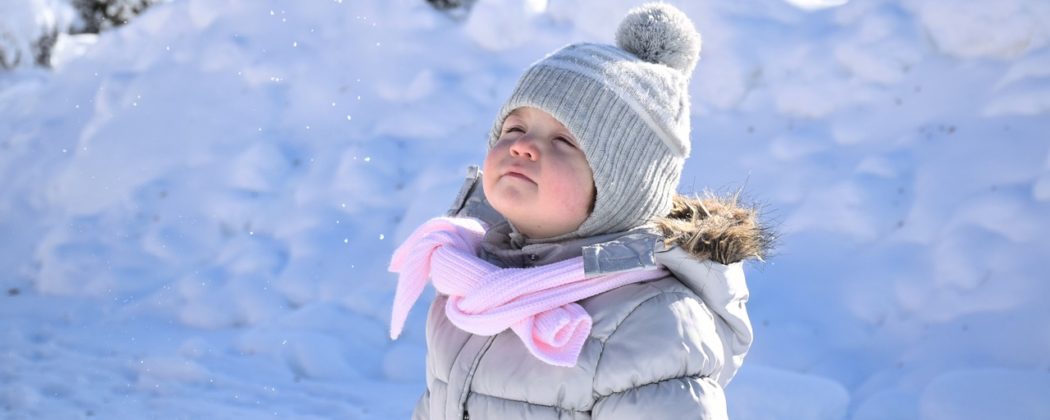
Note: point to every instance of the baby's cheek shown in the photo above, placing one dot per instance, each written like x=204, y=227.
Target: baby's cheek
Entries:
x=573, y=199
x=582, y=191
x=488, y=169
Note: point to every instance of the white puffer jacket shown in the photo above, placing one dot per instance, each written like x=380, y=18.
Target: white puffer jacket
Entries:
x=662, y=349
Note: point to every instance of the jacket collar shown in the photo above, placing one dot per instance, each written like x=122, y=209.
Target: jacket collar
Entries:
x=505, y=247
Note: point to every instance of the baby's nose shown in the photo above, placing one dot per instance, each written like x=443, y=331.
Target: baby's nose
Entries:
x=525, y=147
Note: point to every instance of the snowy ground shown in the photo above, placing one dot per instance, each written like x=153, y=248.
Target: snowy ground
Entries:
x=197, y=208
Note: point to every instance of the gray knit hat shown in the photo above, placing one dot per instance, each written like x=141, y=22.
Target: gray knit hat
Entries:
x=628, y=106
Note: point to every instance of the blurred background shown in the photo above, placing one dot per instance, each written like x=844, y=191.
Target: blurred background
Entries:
x=198, y=198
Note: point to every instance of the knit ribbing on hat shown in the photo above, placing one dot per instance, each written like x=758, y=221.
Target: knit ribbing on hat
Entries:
x=658, y=96
x=631, y=120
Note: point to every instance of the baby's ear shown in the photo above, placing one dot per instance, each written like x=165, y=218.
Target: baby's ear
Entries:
x=471, y=201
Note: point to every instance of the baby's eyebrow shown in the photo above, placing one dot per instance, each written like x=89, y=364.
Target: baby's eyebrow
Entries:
x=515, y=117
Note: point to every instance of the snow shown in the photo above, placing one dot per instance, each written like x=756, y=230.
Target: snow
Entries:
x=798, y=396
x=1005, y=31
x=198, y=207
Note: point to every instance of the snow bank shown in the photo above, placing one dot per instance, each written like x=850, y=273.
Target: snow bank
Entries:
x=198, y=207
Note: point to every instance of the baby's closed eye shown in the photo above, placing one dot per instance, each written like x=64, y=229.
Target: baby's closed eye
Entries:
x=566, y=141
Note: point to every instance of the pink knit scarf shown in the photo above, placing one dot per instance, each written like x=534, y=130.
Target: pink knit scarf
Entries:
x=536, y=303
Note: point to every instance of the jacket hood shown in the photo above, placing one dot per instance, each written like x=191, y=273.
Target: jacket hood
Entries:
x=705, y=243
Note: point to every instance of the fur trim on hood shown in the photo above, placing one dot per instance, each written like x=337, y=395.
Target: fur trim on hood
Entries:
x=716, y=228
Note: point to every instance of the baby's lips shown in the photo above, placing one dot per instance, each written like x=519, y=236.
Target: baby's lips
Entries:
x=516, y=173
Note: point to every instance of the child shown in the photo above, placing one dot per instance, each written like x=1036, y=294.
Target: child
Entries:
x=589, y=289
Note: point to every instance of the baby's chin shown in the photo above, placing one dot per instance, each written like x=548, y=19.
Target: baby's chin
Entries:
x=530, y=215
x=512, y=195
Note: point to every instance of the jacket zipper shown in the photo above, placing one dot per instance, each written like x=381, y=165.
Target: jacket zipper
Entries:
x=470, y=375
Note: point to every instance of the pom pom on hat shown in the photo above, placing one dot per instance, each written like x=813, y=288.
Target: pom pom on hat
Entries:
x=660, y=33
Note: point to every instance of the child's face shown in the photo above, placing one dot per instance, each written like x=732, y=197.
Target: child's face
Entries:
x=537, y=176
